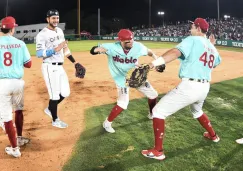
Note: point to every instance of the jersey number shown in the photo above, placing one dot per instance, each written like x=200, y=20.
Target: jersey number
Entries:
x=209, y=63
x=7, y=59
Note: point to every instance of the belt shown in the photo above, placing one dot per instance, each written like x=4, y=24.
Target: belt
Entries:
x=55, y=63
x=197, y=80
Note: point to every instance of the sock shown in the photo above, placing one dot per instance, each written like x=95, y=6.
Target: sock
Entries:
x=53, y=109
x=205, y=122
x=159, y=130
x=19, y=119
x=61, y=99
x=114, y=113
x=151, y=103
x=10, y=130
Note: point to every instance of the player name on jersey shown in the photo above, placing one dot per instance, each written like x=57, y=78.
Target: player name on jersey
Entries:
x=126, y=60
x=12, y=46
x=209, y=49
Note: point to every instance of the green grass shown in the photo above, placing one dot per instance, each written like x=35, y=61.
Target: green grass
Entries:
x=86, y=45
x=185, y=147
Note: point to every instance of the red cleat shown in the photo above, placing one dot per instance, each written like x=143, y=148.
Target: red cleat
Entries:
x=214, y=138
x=152, y=153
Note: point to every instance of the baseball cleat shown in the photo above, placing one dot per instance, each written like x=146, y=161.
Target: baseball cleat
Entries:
x=214, y=138
x=154, y=154
x=150, y=116
x=21, y=141
x=48, y=112
x=107, y=126
x=13, y=151
x=59, y=124
x=239, y=141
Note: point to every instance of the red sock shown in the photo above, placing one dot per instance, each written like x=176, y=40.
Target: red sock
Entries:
x=159, y=130
x=10, y=130
x=19, y=119
x=114, y=113
x=205, y=122
x=151, y=103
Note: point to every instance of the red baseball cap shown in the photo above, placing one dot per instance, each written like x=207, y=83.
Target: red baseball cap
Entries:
x=124, y=34
x=202, y=23
x=8, y=23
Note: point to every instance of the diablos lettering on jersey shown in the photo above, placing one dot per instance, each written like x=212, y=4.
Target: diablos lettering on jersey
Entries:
x=126, y=60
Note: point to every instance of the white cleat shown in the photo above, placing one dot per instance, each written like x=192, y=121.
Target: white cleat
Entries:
x=107, y=126
x=150, y=116
x=48, y=112
x=59, y=124
x=239, y=141
x=21, y=141
x=13, y=151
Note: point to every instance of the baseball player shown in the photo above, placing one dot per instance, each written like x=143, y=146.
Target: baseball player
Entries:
x=14, y=56
x=52, y=47
x=198, y=57
x=122, y=56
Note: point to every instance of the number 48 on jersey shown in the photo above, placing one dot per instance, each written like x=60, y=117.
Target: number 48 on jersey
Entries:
x=204, y=59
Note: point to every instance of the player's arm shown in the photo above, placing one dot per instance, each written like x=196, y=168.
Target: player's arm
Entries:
x=69, y=55
x=151, y=53
x=181, y=50
x=212, y=39
x=167, y=57
x=43, y=52
x=80, y=69
x=97, y=50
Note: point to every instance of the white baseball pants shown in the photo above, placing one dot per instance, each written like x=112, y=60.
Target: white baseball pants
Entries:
x=56, y=81
x=11, y=97
x=186, y=93
x=123, y=94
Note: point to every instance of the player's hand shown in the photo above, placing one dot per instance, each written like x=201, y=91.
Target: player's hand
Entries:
x=212, y=39
x=100, y=50
x=61, y=46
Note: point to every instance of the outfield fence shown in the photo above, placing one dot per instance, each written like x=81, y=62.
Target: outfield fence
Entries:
x=229, y=43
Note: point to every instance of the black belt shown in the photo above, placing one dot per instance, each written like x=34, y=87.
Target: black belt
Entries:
x=199, y=80
x=55, y=63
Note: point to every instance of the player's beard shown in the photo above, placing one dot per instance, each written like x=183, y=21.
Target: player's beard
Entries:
x=52, y=25
x=127, y=47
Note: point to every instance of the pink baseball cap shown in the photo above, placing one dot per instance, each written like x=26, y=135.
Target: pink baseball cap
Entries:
x=202, y=23
x=8, y=23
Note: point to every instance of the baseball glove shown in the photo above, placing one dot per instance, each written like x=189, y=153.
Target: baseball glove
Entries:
x=136, y=77
x=80, y=70
x=160, y=68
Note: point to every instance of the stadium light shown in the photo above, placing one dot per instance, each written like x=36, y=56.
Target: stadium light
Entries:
x=162, y=13
x=226, y=17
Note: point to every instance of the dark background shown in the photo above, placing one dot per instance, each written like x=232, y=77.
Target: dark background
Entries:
x=117, y=14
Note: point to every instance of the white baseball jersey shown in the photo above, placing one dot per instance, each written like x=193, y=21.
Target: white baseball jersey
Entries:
x=54, y=74
x=48, y=39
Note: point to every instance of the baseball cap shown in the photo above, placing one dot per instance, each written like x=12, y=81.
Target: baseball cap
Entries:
x=124, y=34
x=8, y=23
x=202, y=23
x=52, y=12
